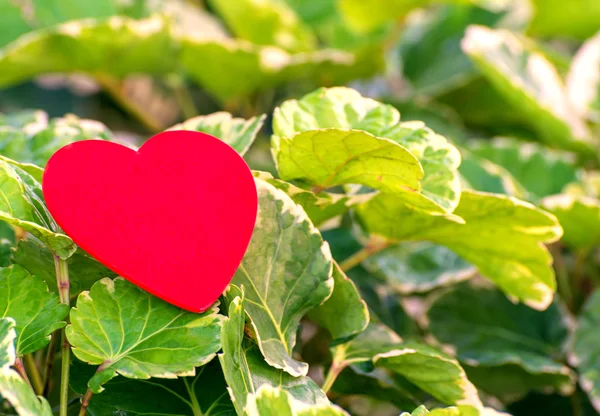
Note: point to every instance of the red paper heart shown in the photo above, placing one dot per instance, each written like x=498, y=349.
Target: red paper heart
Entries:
x=174, y=218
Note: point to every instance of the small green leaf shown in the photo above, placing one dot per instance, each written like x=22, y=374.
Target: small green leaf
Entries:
x=580, y=218
x=488, y=331
x=12, y=387
x=583, y=80
x=344, y=314
x=203, y=394
x=36, y=141
x=530, y=83
x=365, y=16
x=418, y=267
x=286, y=272
x=236, y=132
x=36, y=311
x=319, y=207
x=127, y=331
x=38, y=260
x=270, y=22
x=521, y=269
x=245, y=369
x=271, y=401
x=586, y=347
x=525, y=161
x=335, y=137
x=22, y=205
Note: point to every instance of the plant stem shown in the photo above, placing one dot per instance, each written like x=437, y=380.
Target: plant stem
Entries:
x=21, y=370
x=336, y=368
x=361, y=255
x=50, y=357
x=36, y=379
x=562, y=276
x=85, y=402
x=62, y=281
x=183, y=97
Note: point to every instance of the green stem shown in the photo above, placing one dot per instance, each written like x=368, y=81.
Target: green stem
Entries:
x=62, y=281
x=336, y=368
x=361, y=255
x=195, y=405
x=36, y=379
x=184, y=98
x=50, y=357
x=562, y=276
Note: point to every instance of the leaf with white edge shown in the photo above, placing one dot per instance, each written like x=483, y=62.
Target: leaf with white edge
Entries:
x=22, y=205
x=583, y=80
x=486, y=330
x=270, y=401
x=270, y=22
x=117, y=46
x=286, y=271
x=203, y=394
x=319, y=207
x=12, y=386
x=432, y=371
x=579, y=217
x=425, y=367
x=530, y=83
x=521, y=269
x=418, y=267
x=525, y=161
x=344, y=314
x=129, y=332
x=245, y=369
x=480, y=174
x=455, y=411
x=236, y=132
x=35, y=142
x=36, y=311
x=38, y=260
x=586, y=347
x=335, y=136
x=21, y=118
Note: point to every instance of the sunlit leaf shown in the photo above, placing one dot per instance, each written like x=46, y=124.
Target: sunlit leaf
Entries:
x=579, y=217
x=475, y=232
x=583, y=80
x=129, y=332
x=286, y=272
x=270, y=401
x=574, y=18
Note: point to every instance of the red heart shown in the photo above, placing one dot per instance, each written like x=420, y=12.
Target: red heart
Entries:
x=174, y=218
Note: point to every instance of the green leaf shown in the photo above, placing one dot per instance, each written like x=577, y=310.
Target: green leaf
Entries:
x=583, y=80
x=36, y=311
x=270, y=401
x=286, y=272
x=119, y=46
x=270, y=22
x=455, y=411
x=525, y=161
x=425, y=367
x=521, y=269
x=574, y=18
x=486, y=176
x=580, y=218
x=130, y=332
x=52, y=12
x=344, y=314
x=489, y=332
x=21, y=118
x=35, y=142
x=246, y=370
x=319, y=207
x=236, y=132
x=84, y=271
x=203, y=394
x=336, y=137
x=530, y=83
x=13, y=20
x=22, y=205
x=586, y=347
x=12, y=387
x=418, y=267
x=365, y=16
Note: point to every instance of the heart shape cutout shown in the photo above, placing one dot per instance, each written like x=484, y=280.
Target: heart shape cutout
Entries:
x=174, y=218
